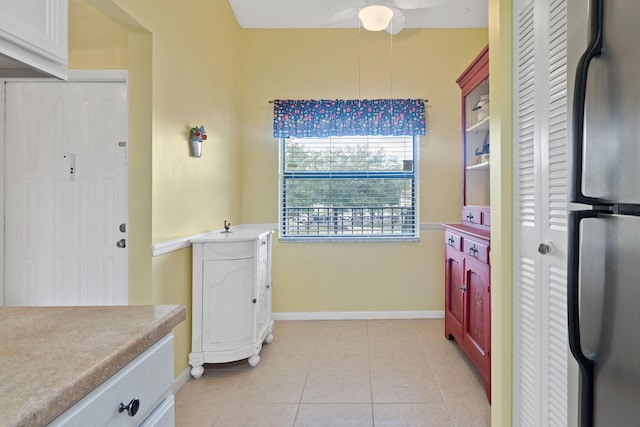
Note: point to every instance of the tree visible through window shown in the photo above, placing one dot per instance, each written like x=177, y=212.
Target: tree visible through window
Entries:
x=348, y=187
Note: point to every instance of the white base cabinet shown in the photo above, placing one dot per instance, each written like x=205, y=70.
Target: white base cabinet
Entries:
x=147, y=379
x=231, y=297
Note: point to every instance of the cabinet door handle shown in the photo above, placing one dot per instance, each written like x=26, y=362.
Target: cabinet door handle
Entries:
x=254, y=300
x=452, y=241
x=131, y=408
x=463, y=288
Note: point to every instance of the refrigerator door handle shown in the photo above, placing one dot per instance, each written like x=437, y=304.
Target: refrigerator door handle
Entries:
x=594, y=49
x=573, y=309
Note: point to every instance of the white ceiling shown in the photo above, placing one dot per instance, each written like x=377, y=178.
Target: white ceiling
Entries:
x=315, y=13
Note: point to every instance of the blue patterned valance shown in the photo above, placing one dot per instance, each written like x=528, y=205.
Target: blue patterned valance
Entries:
x=327, y=117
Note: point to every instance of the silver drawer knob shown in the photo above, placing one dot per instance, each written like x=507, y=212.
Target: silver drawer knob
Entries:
x=545, y=248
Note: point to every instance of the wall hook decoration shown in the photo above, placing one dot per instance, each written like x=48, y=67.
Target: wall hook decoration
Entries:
x=197, y=134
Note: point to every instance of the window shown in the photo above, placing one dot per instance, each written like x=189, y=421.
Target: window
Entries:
x=348, y=168
x=348, y=187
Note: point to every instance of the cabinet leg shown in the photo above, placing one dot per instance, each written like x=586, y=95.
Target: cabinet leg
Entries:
x=197, y=371
x=268, y=339
x=196, y=360
x=254, y=360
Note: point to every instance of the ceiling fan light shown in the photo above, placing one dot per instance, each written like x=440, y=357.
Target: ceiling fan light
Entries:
x=375, y=18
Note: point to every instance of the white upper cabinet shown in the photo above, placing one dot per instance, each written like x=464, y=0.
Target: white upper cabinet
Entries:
x=34, y=33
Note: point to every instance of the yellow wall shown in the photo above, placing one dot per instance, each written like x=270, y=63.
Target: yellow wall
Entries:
x=352, y=64
x=184, y=70
x=95, y=41
x=500, y=77
x=189, y=63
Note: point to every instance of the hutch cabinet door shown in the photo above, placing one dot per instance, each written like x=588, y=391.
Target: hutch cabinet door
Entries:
x=474, y=85
x=477, y=307
x=454, y=294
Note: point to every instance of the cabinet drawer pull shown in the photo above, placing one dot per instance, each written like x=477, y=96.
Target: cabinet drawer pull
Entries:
x=254, y=300
x=131, y=408
x=452, y=241
x=463, y=288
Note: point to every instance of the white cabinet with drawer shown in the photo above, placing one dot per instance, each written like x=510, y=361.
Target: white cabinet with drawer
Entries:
x=139, y=394
x=35, y=33
x=231, y=289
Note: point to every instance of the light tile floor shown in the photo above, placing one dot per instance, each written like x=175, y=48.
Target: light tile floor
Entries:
x=342, y=373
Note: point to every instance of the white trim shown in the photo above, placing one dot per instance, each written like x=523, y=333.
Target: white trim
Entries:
x=358, y=315
x=431, y=226
x=181, y=380
x=76, y=76
x=166, y=246
x=97, y=75
x=171, y=245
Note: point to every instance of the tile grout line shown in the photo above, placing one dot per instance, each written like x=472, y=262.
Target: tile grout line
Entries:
x=304, y=386
x=373, y=418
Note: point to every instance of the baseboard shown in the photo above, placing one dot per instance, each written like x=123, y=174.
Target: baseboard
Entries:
x=358, y=315
x=181, y=379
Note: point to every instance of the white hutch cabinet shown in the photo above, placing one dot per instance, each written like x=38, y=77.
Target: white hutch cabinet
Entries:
x=231, y=296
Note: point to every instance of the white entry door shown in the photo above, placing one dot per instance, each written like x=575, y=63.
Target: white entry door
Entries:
x=66, y=193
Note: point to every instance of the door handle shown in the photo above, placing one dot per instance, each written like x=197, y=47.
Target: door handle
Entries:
x=573, y=311
x=545, y=248
x=122, y=243
x=580, y=88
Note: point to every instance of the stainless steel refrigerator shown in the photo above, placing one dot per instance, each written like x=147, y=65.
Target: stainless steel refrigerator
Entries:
x=604, y=234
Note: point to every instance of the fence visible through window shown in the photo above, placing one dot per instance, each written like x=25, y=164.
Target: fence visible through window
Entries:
x=349, y=221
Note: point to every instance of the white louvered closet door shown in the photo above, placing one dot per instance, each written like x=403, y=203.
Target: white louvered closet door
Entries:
x=540, y=345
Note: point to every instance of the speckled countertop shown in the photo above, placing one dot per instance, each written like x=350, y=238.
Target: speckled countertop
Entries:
x=51, y=357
